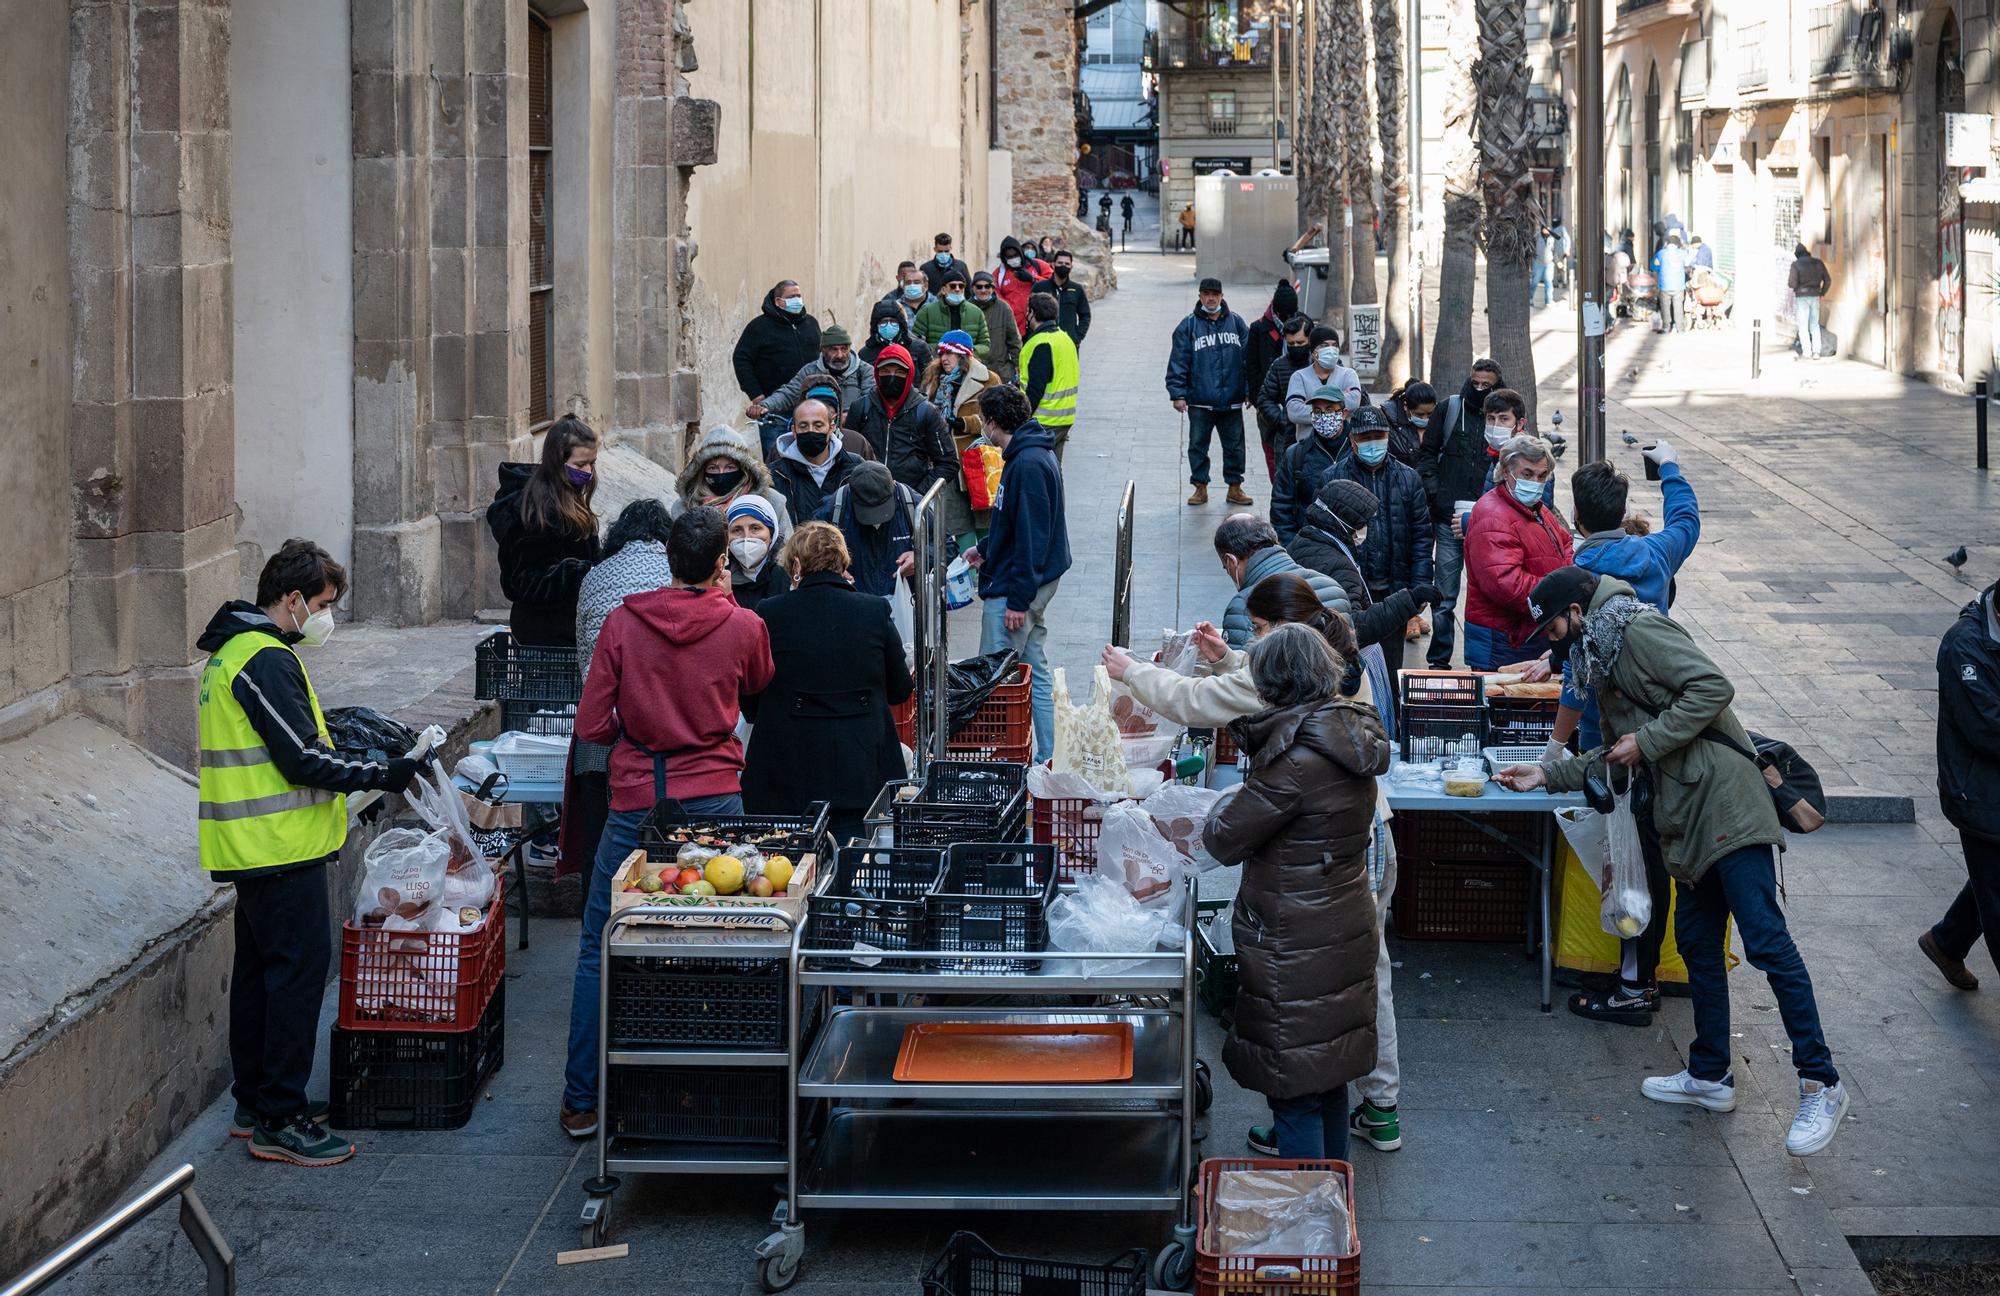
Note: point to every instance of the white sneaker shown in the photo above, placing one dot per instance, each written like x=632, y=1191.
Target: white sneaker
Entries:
x=1715, y=1095
x=1820, y=1108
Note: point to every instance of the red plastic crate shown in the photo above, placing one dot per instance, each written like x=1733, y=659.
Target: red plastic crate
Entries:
x=422, y=981
x=1226, y=751
x=1003, y=729
x=1271, y=1275
x=1070, y=824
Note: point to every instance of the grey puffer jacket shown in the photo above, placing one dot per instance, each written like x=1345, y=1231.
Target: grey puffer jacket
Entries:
x=1305, y=925
x=1236, y=627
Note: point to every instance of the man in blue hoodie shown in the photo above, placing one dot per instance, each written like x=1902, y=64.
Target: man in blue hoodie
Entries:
x=1208, y=380
x=1026, y=549
x=1647, y=562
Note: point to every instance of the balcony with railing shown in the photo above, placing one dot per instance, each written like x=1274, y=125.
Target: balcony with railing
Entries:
x=1218, y=34
x=1848, y=45
x=1752, y=71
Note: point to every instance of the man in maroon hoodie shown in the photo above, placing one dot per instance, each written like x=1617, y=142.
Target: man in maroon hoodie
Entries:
x=664, y=691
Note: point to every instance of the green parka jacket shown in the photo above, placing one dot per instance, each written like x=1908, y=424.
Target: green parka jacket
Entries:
x=1708, y=799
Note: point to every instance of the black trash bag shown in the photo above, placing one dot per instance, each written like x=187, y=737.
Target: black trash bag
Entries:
x=969, y=683
x=364, y=729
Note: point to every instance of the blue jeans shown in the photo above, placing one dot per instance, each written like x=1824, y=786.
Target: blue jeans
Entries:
x=1805, y=314
x=1447, y=571
x=1029, y=642
x=1538, y=278
x=621, y=838
x=1744, y=885
x=1312, y=1127
x=1488, y=649
x=1228, y=423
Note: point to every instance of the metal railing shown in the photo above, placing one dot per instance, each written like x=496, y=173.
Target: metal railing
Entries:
x=201, y=1232
x=932, y=636
x=1121, y=572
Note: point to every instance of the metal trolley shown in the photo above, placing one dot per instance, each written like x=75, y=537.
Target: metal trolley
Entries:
x=870, y=1142
x=723, y=1144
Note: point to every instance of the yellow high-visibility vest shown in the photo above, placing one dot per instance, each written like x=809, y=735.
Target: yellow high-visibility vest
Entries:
x=252, y=816
x=1058, y=408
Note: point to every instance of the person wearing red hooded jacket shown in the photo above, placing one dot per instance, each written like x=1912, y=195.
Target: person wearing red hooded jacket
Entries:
x=1515, y=538
x=908, y=432
x=666, y=679
x=1014, y=277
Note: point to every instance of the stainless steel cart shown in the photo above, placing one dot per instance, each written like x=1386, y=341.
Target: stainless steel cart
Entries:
x=870, y=1142
x=697, y=932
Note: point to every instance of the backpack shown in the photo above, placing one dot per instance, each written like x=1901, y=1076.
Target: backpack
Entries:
x=1795, y=787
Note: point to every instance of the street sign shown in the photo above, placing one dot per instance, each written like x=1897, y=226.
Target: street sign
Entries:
x=1364, y=339
x=1968, y=139
x=1210, y=165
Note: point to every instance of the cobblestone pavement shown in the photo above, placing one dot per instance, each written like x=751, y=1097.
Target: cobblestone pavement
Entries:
x=1531, y=1163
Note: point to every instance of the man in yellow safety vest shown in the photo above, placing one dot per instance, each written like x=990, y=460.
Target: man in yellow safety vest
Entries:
x=1049, y=370
x=273, y=813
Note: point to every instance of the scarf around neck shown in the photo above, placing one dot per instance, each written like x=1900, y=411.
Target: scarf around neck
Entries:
x=1603, y=639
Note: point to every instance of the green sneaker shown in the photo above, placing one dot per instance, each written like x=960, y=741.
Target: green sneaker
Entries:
x=1263, y=1140
x=244, y=1122
x=301, y=1142
x=1379, y=1128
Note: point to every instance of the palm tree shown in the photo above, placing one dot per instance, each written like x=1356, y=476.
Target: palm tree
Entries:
x=1388, y=36
x=1325, y=147
x=1513, y=218
x=1451, y=349
x=1358, y=166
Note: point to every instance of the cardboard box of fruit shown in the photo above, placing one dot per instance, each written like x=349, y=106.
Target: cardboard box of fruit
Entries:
x=723, y=880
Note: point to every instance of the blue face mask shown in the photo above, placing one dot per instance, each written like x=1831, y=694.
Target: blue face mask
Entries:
x=1372, y=452
x=954, y=299
x=793, y=305
x=1423, y=422
x=1327, y=357
x=1529, y=493
x=944, y=258
x=887, y=330
x=913, y=290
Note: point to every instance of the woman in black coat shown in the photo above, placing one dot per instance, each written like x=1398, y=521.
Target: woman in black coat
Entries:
x=823, y=729
x=547, y=534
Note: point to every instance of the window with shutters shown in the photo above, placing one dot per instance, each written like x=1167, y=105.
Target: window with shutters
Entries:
x=541, y=244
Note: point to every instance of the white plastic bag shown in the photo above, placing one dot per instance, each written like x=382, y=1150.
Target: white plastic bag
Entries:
x=1101, y=916
x=1628, y=902
x=1282, y=1212
x=1132, y=853
x=1087, y=740
x=1180, y=813
x=438, y=805
x=402, y=874
x=904, y=615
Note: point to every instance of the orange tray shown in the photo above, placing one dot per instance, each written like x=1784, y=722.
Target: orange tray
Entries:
x=1014, y=1053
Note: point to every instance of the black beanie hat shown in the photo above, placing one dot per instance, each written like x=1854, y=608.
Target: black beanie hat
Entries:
x=1285, y=301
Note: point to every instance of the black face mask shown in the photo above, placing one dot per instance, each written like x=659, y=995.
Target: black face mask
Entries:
x=892, y=385
x=1062, y=272
x=812, y=444
x=1298, y=355
x=721, y=483
x=1561, y=648
x=1474, y=397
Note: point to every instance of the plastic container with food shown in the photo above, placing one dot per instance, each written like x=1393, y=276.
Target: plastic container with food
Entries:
x=1464, y=783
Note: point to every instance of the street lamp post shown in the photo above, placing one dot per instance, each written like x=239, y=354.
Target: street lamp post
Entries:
x=1591, y=315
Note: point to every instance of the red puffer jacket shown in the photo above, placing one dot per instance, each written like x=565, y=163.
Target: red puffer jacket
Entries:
x=1508, y=548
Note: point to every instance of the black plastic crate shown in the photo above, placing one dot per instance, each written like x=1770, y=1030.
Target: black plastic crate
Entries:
x=1441, y=704
x=994, y=899
x=964, y=801
x=696, y=1104
x=969, y=1267
x=876, y=896
x=1445, y=834
x=417, y=1080
x=509, y=672
x=668, y=1001
x=1520, y=722
x=555, y=719
x=790, y=835
x=1215, y=968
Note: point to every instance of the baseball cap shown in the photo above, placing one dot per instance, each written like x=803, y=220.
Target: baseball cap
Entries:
x=874, y=493
x=1211, y=284
x=1329, y=392
x=1554, y=593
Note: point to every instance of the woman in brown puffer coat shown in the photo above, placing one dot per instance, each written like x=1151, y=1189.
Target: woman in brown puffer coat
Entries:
x=1305, y=919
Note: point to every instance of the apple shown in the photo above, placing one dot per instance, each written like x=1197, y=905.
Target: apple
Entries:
x=760, y=887
x=688, y=877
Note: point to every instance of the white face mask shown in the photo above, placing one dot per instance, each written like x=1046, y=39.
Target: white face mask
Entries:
x=316, y=629
x=1496, y=436
x=749, y=551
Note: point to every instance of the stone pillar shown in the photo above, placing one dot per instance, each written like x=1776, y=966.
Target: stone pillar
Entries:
x=660, y=133
x=151, y=417
x=1036, y=71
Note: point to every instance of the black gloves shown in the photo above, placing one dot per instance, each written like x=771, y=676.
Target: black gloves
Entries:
x=402, y=770
x=1427, y=595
